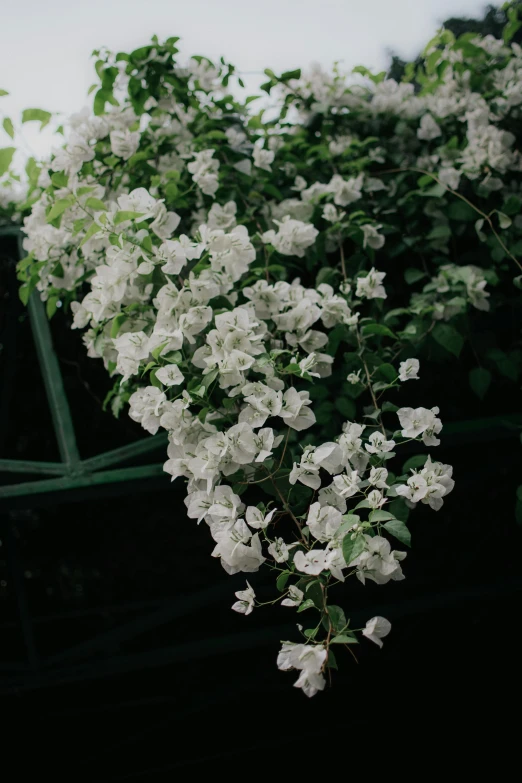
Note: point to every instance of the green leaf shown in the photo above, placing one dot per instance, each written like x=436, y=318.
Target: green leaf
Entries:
x=352, y=548
x=38, y=115
x=512, y=205
x=171, y=191
x=413, y=275
x=418, y=461
x=287, y=75
x=59, y=208
x=51, y=305
x=8, y=127
x=439, y=232
x=346, y=407
x=60, y=179
x=94, y=229
x=462, y=212
x=6, y=157
x=282, y=579
x=480, y=380
x=158, y=349
x=154, y=381
x=3, y=92
x=344, y=639
x=449, y=338
x=388, y=372
x=121, y=217
x=96, y=204
x=504, y=220
x=399, y=509
x=378, y=329
x=380, y=516
x=116, y=324
x=306, y=605
x=331, y=660
x=399, y=530
x=337, y=617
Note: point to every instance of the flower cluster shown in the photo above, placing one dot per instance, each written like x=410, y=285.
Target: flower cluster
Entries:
x=233, y=276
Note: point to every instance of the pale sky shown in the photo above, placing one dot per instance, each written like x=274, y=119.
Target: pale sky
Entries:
x=45, y=45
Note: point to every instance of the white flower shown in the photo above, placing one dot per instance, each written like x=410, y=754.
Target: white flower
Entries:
x=323, y=521
x=415, y=488
x=428, y=128
x=346, y=191
x=378, y=562
x=377, y=478
x=376, y=629
x=294, y=597
x=346, y=484
x=146, y=407
x=246, y=601
x=450, y=177
x=263, y=158
x=375, y=499
x=292, y=237
x=371, y=235
x=409, y=370
x=72, y=157
x=354, y=378
x=256, y=519
x=330, y=213
x=124, y=143
x=420, y=421
x=370, y=287
x=307, y=658
x=279, y=550
x=378, y=444
x=170, y=375
x=312, y=562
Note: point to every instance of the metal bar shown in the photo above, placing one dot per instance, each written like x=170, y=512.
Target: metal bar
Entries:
x=62, y=420
x=10, y=231
x=21, y=599
x=116, y=456
x=85, y=480
x=27, y=466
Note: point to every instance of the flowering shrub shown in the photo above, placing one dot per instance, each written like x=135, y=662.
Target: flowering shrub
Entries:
x=262, y=285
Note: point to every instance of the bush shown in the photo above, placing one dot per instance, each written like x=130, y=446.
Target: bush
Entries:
x=262, y=285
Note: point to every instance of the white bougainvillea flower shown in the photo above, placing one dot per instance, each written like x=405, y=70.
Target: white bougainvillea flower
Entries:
x=420, y=421
x=246, y=601
x=124, y=143
x=370, y=286
x=263, y=158
x=279, y=550
x=428, y=129
x=409, y=370
x=378, y=444
x=256, y=519
x=376, y=629
x=313, y=562
x=371, y=236
x=294, y=597
x=170, y=375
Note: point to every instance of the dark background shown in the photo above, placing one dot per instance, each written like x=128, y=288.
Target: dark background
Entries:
x=120, y=658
